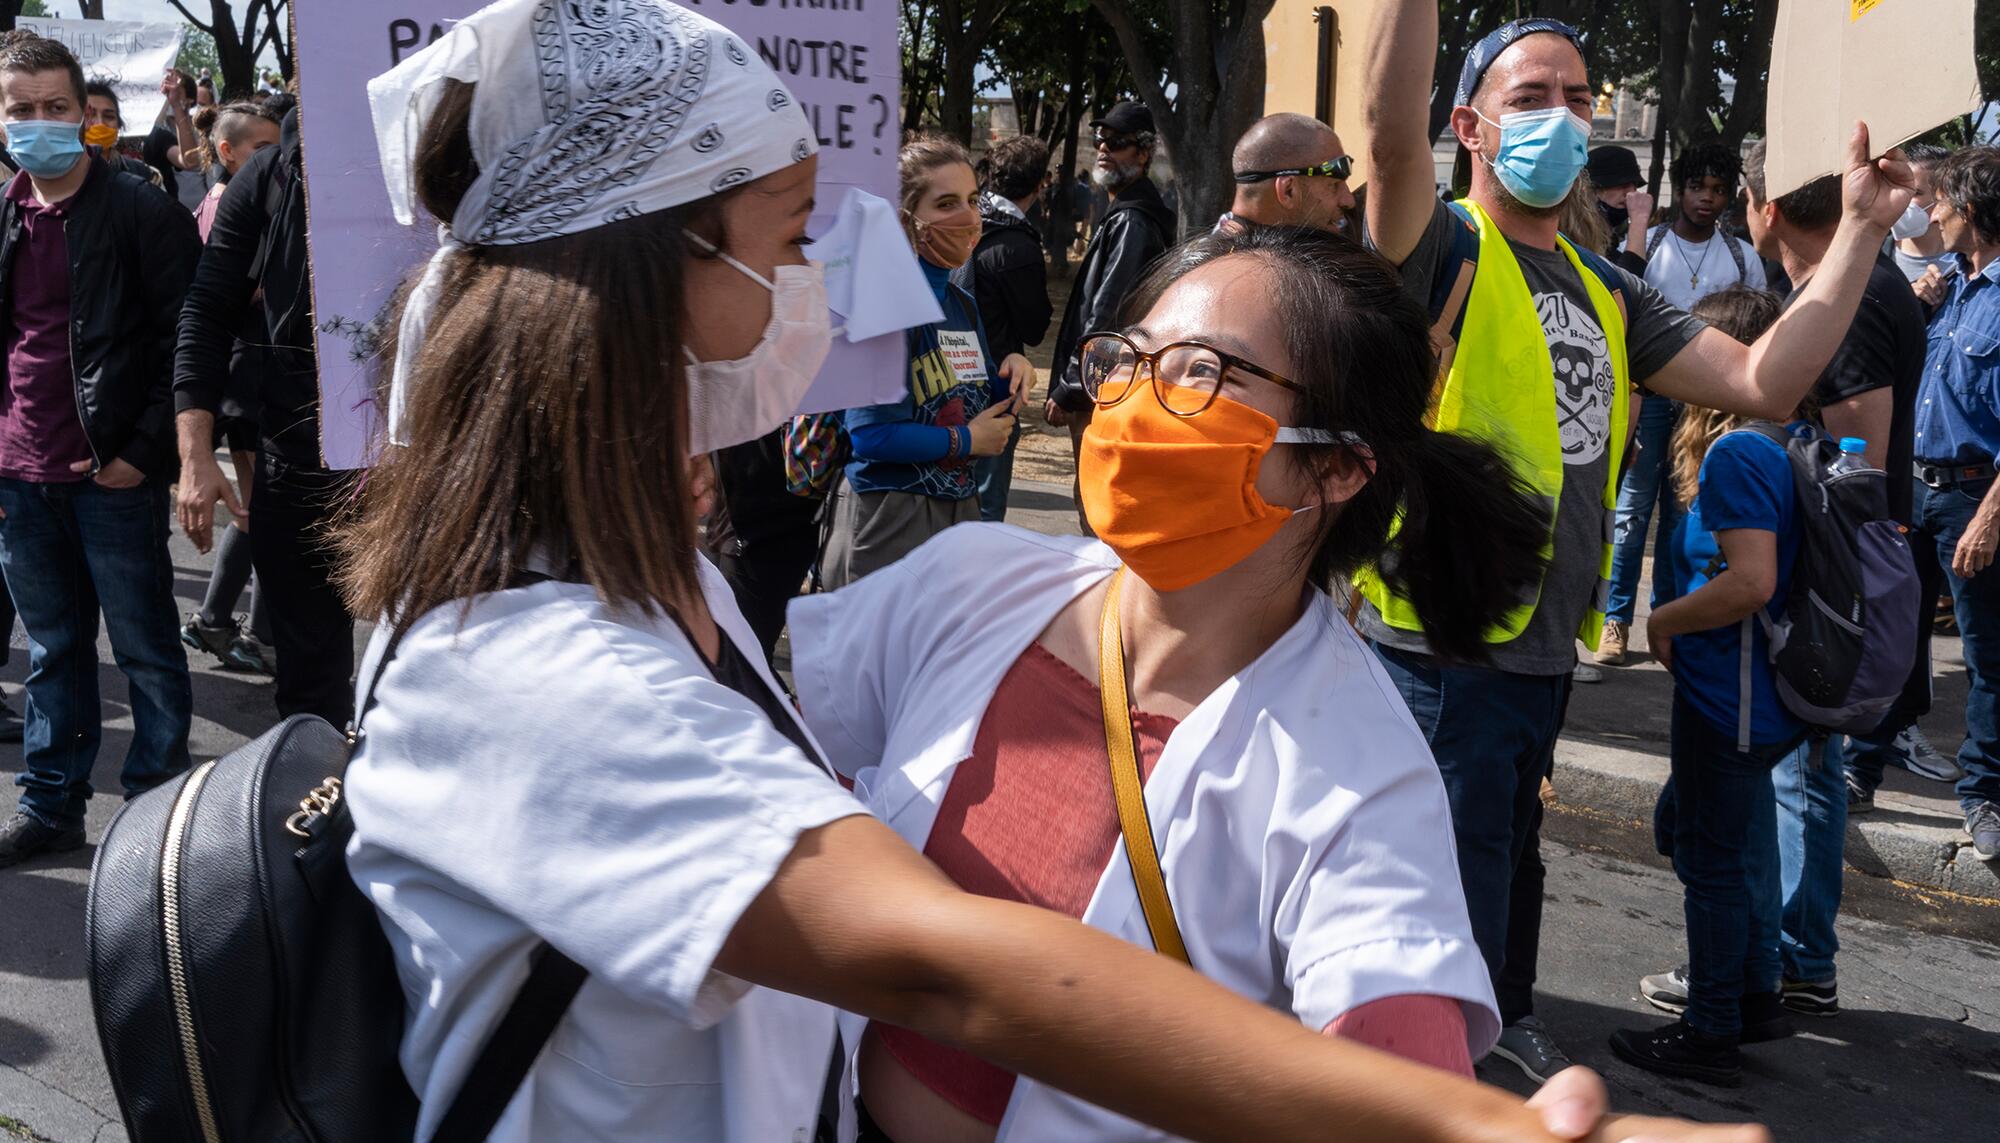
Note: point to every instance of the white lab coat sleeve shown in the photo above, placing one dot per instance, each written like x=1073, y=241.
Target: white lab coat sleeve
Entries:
x=1375, y=909
x=590, y=779
x=853, y=655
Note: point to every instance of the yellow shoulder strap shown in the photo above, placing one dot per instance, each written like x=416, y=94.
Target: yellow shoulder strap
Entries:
x=1125, y=782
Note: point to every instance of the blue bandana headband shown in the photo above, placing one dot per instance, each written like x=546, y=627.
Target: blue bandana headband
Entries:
x=1487, y=50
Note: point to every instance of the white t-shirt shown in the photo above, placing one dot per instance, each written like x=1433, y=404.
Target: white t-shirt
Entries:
x=550, y=769
x=1686, y=272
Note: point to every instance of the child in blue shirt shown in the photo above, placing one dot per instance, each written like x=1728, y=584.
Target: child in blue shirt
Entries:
x=1731, y=557
x=911, y=474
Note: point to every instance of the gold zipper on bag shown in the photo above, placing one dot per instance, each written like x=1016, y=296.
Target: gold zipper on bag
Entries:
x=177, y=982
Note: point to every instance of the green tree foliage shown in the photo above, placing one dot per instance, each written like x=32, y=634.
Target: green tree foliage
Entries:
x=1204, y=89
x=198, y=52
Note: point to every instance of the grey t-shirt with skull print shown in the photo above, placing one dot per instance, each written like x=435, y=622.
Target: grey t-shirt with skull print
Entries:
x=1655, y=332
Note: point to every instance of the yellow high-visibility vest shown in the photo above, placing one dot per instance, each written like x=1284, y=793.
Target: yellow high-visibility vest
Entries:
x=1500, y=387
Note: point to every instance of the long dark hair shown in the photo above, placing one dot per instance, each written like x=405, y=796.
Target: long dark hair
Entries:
x=1469, y=547
x=547, y=414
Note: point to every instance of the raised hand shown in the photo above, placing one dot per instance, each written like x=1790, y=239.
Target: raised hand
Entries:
x=1875, y=191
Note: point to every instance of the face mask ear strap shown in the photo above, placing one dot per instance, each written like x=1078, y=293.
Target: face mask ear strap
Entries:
x=711, y=248
x=1328, y=437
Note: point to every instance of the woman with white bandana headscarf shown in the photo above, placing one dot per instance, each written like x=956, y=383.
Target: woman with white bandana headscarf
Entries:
x=569, y=758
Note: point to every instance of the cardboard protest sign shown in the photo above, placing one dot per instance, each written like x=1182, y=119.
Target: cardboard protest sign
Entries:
x=1900, y=66
x=129, y=55
x=839, y=58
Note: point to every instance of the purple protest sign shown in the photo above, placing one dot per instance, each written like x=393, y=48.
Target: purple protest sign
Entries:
x=839, y=57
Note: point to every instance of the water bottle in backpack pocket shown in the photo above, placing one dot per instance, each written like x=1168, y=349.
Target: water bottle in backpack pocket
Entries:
x=1842, y=647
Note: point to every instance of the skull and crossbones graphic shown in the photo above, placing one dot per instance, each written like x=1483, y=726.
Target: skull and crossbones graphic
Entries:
x=1581, y=357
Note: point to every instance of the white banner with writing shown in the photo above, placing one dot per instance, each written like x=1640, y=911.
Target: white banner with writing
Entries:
x=130, y=55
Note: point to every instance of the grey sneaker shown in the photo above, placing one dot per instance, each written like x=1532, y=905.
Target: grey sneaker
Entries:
x=1982, y=825
x=1667, y=991
x=1859, y=801
x=1919, y=757
x=1585, y=673
x=1527, y=1045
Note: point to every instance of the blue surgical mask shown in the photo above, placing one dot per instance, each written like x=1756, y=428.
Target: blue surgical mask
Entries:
x=44, y=148
x=1541, y=154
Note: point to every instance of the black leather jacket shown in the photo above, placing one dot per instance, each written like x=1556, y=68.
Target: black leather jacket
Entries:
x=258, y=242
x=132, y=252
x=1136, y=230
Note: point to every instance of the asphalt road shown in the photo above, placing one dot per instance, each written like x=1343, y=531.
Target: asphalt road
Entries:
x=1914, y=1055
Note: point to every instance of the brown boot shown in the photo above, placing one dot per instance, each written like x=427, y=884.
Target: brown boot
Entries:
x=1611, y=643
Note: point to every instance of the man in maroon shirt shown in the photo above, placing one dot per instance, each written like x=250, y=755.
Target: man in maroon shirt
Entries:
x=93, y=266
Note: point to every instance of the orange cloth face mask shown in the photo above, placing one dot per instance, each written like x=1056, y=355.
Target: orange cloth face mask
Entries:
x=101, y=135
x=1176, y=497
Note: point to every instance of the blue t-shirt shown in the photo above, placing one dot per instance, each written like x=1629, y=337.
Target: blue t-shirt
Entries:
x=1746, y=482
x=904, y=446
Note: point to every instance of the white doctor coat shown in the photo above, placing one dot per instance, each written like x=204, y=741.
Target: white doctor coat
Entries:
x=550, y=769
x=1300, y=819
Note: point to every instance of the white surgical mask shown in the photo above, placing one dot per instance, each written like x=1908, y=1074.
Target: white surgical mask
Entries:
x=730, y=402
x=1915, y=221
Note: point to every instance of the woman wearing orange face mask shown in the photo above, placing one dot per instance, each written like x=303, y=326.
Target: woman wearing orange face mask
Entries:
x=911, y=475
x=1257, y=432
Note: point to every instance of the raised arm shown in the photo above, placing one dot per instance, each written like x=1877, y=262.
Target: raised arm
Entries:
x=858, y=919
x=1767, y=379
x=1397, y=76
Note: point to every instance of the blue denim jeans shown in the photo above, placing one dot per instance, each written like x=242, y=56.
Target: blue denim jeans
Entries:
x=69, y=551
x=1811, y=785
x=1493, y=734
x=995, y=477
x=1725, y=840
x=1942, y=517
x=1647, y=481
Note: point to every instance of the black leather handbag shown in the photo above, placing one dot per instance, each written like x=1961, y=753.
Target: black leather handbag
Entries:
x=243, y=987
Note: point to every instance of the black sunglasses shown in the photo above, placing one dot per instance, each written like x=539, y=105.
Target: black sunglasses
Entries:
x=1116, y=142
x=1338, y=167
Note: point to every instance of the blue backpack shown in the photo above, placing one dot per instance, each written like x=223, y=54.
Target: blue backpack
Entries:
x=1843, y=643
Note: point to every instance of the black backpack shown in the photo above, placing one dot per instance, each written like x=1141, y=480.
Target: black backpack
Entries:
x=1843, y=646
x=243, y=987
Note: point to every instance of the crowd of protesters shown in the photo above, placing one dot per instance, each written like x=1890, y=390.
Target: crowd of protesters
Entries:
x=1323, y=622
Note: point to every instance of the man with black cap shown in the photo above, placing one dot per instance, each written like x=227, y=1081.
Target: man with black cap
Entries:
x=1543, y=346
x=1627, y=210
x=1136, y=229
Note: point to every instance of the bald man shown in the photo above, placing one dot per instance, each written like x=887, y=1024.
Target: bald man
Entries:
x=1290, y=171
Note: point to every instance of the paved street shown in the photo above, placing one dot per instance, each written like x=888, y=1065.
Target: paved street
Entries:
x=1915, y=1054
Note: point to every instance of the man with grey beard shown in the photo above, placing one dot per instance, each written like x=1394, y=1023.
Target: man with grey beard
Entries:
x=1137, y=228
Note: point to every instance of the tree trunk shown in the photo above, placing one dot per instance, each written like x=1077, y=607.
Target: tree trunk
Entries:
x=955, y=109
x=1753, y=77
x=10, y=10
x=1062, y=214
x=92, y=9
x=915, y=75
x=1674, y=19
x=1700, y=88
x=1453, y=42
x=1218, y=73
